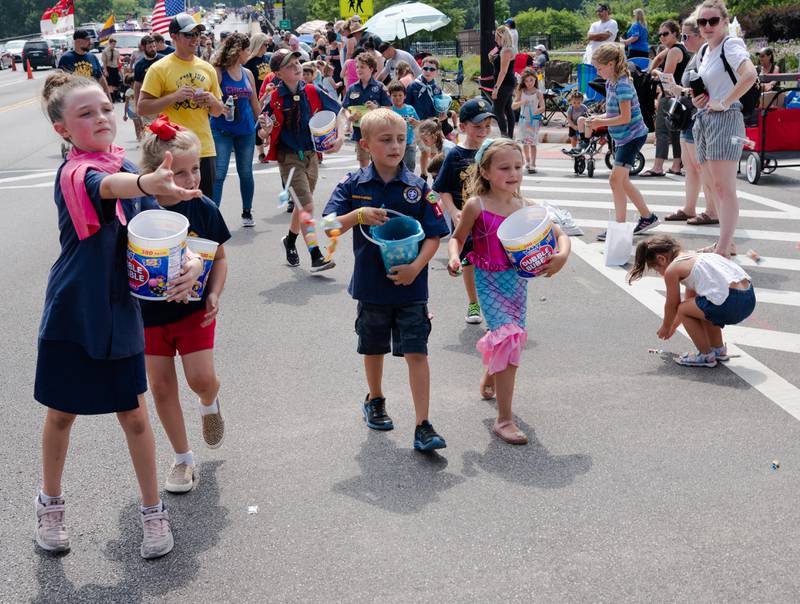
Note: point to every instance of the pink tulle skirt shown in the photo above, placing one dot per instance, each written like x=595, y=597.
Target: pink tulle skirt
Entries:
x=502, y=347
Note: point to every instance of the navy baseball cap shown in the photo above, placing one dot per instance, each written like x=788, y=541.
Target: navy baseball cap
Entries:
x=476, y=110
x=281, y=57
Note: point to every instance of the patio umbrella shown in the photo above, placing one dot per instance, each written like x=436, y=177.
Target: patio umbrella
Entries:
x=309, y=27
x=401, y=20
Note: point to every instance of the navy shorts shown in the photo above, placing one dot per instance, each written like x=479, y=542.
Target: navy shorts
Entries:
x=405, y=326
x=737, y=307
x=572, y=132
x=625, y=155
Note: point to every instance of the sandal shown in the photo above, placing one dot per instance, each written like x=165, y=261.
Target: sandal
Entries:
x=702, y=219
x=508, y=432
x=674, y=173
x=651, y=174
x=680, y=215
x=712, y=249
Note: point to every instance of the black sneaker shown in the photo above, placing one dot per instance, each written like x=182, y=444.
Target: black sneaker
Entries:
x=292, y=259
x=375, y=414
x=426, y=438
x=247, y=219
x=645, y=224
x=319, y=264
x=290, y=207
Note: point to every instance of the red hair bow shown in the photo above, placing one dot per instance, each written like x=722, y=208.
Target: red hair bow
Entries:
x=163, y=128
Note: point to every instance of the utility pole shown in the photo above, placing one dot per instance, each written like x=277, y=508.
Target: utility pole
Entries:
x=487, y=41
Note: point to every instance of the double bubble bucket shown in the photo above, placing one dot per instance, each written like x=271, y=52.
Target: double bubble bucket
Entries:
x=323, y=130
x=398, y=239
x=156, y=245
x=206, y=249
x=529, y=239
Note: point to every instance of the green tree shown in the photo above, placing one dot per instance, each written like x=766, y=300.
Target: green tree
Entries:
x=23, y=19
x=323, y=9
x=92, y=11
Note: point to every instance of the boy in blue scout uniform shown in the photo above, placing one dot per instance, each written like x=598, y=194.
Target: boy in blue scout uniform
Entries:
x=367, y=91
x=293, y=146
x=419, y=95
x=392, y=308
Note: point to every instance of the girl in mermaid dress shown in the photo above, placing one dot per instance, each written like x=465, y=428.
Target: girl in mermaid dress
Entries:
x=494, y=183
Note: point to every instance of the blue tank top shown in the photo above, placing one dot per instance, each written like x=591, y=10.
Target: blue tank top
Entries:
x=244, y=121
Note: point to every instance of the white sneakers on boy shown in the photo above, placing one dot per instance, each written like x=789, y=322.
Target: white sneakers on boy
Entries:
x=51, y=531
x=157, y=539
x=181, y=478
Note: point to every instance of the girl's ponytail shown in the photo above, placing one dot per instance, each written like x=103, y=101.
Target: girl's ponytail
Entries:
x=647, y=251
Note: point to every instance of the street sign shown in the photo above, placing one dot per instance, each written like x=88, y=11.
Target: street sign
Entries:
x=363, y=8
x=285, y=24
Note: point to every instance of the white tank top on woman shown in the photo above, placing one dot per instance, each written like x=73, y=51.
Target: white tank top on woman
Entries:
x=712, y=275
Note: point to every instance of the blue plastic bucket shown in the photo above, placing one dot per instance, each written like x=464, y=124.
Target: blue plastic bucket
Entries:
x=442, y=103
x=398, y=239
x=529, y=239
x=156, y=245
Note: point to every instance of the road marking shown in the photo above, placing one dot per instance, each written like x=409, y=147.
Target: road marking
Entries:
x=763, y=295
x=37, y=186
x=28, y=176
x=18, y=105
x=609, y=205
x=702, y=231
x=760, y=377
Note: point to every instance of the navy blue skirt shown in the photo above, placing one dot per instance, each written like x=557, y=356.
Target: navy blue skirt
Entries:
x=69, y=380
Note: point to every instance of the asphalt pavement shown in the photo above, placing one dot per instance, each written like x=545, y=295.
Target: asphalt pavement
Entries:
x=643, y=480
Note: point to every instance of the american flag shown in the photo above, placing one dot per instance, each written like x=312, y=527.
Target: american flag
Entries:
x=163, y=13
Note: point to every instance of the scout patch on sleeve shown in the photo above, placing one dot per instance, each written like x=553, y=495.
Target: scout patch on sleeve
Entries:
x=433, y=199
x=412, y=194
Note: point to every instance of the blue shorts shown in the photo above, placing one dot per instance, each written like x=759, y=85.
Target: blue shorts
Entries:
x=687, y=135
x=405, y=326
x=737, y=307
x=625, y=155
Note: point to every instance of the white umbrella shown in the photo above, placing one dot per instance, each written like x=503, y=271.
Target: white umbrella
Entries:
x=309, y=27
x=401, y=20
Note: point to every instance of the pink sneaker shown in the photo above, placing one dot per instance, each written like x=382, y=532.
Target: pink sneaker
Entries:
x=51, y=531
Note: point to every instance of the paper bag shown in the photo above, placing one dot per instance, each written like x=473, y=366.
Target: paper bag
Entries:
x=619, y=241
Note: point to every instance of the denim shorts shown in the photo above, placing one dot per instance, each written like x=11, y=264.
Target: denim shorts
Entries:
x=625, y=155
x=737, y=307
x=687, y=135
x=405, y=326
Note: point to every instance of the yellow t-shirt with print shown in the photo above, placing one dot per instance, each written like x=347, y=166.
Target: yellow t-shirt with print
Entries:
x=167, y=75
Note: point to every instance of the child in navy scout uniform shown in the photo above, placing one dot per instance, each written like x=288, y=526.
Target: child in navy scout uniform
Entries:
x=392, y=308
x=367, y=92
x=475, y=120
x=285, y=124
x=91, y=341
x=187, y=329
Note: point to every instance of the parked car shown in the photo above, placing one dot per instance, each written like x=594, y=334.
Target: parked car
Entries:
x=40, y=53
x=127, y=44
x=15, y=48
x=6, y=59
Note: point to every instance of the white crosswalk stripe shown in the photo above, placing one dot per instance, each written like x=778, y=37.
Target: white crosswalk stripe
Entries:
x=763, y=222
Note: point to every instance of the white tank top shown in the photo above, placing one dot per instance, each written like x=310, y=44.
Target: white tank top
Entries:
x=712, y=275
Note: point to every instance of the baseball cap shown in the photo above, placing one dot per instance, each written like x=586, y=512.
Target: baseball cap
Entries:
x=475, y=111
x=281, y=57
x=81, y=34
x=540, y=47
x=509, y=22
x=183, y=23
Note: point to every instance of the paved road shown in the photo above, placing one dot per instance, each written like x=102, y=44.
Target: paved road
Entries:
x=643, y=481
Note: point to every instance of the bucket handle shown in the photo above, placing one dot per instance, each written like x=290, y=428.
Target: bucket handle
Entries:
x=368, y=238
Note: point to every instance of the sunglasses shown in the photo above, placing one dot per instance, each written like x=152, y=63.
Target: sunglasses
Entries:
x=429, y=69
x=663, y=34
x=713, y=21
x=191, y=35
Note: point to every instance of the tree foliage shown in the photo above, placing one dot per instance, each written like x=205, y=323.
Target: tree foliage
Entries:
x=561, y=24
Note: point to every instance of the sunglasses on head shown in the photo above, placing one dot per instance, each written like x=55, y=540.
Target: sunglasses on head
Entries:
x=713, y=21
x=429, y=69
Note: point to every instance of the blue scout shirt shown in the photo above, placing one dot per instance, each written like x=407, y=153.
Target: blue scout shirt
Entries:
x=358, y=94
x=88, y=301
x=405, y=193
x=86, y=65
x=295, y=135
x=420, y=96
x=205, y=220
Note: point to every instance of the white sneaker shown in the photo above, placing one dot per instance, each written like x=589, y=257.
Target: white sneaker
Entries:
x=182, y=478
x=51, y=531
x=157, y=539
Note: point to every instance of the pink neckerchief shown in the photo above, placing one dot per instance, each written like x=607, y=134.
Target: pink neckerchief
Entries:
x=73, y=187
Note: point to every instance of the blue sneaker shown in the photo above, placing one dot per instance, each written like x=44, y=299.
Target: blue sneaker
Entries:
x=374, y=412
x=426, y=438
x=697, y=359
x=645, y=224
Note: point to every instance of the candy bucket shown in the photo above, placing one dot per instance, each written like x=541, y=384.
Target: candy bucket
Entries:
x=398, y=239
x=156, y=244
x=529, y=240
x=323, y=130
x=206, y=249
x=442, y=103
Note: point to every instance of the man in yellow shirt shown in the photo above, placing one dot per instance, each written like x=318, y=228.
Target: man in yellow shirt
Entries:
x=186, y=89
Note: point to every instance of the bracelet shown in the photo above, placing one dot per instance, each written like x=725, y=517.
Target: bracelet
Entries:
x=360, y=216
x=139, y=185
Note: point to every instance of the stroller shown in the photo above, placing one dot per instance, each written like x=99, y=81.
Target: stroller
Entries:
x=646, y=91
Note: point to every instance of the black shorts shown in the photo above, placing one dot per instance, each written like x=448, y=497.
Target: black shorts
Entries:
x=573, y=132
x=405, y=326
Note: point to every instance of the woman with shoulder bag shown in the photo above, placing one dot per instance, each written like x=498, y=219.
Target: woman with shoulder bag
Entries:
x=692, y=40
x=675, y=62
x=719, y=117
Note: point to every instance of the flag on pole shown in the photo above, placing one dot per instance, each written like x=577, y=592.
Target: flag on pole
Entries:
x=108, y=29
x=60, y=19
x=163, y=13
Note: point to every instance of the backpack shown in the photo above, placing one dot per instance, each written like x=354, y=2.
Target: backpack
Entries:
x=749, y=99
x=277, y=114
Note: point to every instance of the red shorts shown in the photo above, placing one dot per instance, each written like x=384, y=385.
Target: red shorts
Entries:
x=184, y=336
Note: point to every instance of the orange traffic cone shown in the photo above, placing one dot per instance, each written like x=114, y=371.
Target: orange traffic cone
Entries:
x=30, y=73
